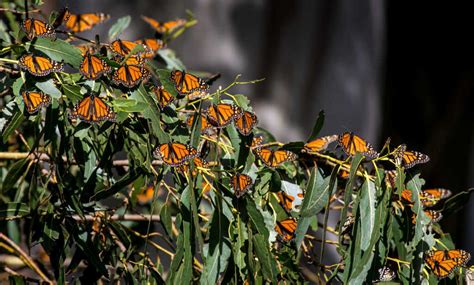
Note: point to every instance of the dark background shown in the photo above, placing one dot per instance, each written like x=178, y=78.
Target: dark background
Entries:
x=382, y=69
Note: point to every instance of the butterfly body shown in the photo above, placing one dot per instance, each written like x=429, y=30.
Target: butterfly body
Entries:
x=163, y=96
x=241, y=183
x=82, y=22
x=164, y=27
x=352, y=144
x=130, y=75
x=409, y=158
x=188, y=84
x=93, y=67
x=444, y=262
x=286, y=229
x=246, y=122
x=37, y=28
x=319, y=144
x=274, y=158
x=221, y=115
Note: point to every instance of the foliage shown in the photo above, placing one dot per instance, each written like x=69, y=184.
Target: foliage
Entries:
x=92, y=201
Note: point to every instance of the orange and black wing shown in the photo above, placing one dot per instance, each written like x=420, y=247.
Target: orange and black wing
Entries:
x=130, y=75
x=286, y=201
x=146, y=196
x=152, y=46
x=38, y=65
x=188, y=84
x=241, y=183
x=36, y=28
x=246, y=123
x=274, y=158
x=163, y=96
x=257, y=141
x=82, y=22
x=93, y=67
x=409, y=158
x=352, y=144
x=35, y=100
x=121, y=47
x=205, y=125
x=443, y=262
x=220, y=115
x=286, y=229
x=175, y=154
x=198, y=162
x=92, y=109
x=319, y=144
x=165, y=27
x=431, y=197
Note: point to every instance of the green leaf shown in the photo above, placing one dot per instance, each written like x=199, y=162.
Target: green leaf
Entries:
x=10, y=211
x=48, y=87
x=16, y=87
x=16, y=171
x=165, y=219
x=72, y=92
x=172, y=62
x=119, y=27
x=367, y=212
x=317, y=126
x=13, y=117
x=128, y=105
x=316, y=195
x=59, y=50
x=265, y=258
x=256, y=217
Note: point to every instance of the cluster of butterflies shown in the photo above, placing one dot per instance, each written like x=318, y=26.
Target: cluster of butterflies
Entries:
x=127, y=54
x=428, y=199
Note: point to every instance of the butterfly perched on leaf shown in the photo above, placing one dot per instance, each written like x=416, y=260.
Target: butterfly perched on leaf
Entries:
x=188, y=84
x=164, y=27
x=428, y=197
x=198, y=162
x=409, y=158
x=222, y=114
x=443, y=262
x=319, y=144
x=163, y=96
x=274, y=158
x=82, y=22
x=123, y=48
x=206, y=127
x=175, y=154
x=92, y=66
x=38, y=65
x=92, y=109
x=130, y=75
x=37, y=28
x=290, y=201
x=286, y=229
x=34, y=100
x=352, y=144
x=246, y=122
x=241, y=183
x=152, y=46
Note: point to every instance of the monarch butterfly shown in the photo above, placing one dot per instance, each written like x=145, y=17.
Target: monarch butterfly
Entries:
x=123, y=48
x=385, y=274
x=153, y=45
x=38, y=65
x=273, y=158
x=146, y=195
x=188, y=84
x=206, y=127
x=164, y=97
x=93, y=67
x=352, y=144
x=257, y=141
x=92, y=109
x=222, y=114
x=290, y=202
x=35, y=100
x=82, y=22
x=443, y=262
x=175, y=154
x=435, y=216
x=246, y=122
x=286, y=229
x=319, y=144
x=198, y=162
x=428, y=197
x=241, y=183
x=130, y=75
x=409, y=159
x=166, y=27
x=37, y=28
x=390, y=177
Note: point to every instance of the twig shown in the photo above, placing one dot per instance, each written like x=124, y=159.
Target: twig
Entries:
x=13, y=247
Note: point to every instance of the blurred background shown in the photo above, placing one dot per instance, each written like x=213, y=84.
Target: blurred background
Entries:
x=378, y=68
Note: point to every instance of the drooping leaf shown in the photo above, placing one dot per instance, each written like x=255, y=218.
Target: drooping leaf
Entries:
x=119, y=26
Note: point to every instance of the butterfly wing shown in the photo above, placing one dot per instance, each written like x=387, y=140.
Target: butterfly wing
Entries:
x=92, y=109
x=93, y=67
x=352, y=144
x=187, y=84
x=246, y=123
x=166, y=27
x=431, y=197
x=145, y=196
x=122, y=48
x=319, y=144
x=241, y=183
x=205, y=125
x=175, y=154
x=36, y=28
x=222, y=114
x=442, y=262
x=163, y=96
x=130, y=75
x=286, y=229
x=151, y=46
x=35, y=100
x=83, y=22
